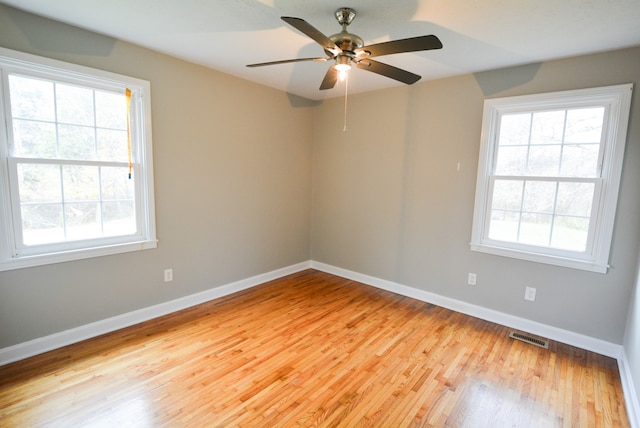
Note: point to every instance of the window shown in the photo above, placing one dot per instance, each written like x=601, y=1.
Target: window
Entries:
x=76, y=175
x=548, y=176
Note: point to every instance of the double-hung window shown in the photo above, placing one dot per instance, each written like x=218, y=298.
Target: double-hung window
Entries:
x=75, y=162
x=548, y=176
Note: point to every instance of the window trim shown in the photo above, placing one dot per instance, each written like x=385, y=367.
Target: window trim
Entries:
x=145, y=238
x=617, y=101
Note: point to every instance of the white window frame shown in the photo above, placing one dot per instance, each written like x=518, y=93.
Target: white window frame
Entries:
x=616, y=100
x=13, y=255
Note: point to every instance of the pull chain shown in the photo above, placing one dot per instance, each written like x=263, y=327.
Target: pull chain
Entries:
x=346, y=93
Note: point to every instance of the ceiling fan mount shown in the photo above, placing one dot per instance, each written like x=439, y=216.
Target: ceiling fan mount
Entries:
x=345, y=49
x=345, y=16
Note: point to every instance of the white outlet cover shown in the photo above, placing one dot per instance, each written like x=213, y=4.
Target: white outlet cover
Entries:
x=530, y=294
x=472, y=279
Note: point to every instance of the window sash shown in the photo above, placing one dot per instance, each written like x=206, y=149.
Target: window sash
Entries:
x=19, y=248
x=586, y=255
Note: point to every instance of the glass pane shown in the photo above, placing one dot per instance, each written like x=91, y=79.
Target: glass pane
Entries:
x=82, y=220
x=580, y=160
x=512, y=160
x=547, y=127
x=77, y=142
x=514, y=129
x=39, y=183
x=544, y=160
x=539, y=196
x=584, y=125
x=75, y=105
x=111, y=110
x=535, y=229
x=31, y=98
x=112, y=145
x=575, y=199
x=116, y=184
x=119, y=218
x=570, y=233
x=507, y=195
x=42, y=223
x=81, y=183
x=504, y=225
x=34, y=139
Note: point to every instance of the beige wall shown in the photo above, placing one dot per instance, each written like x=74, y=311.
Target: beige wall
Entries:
x=232, y=165
x=389, y=202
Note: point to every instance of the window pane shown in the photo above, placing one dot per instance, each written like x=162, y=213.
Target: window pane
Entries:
x=119, y=218
x=512, y=160
x=31, y=98
x=111, y=110
x=544, y=160
x=580, y=160
x=81, y=183
x=74, y=105
x=514, y=129
x=42, y=223
x=535, y=229
x=82, y=221
x=584, y=125
x=539, y=196
x=34, y=139
x=39, y=183
x=507, y=195
x=504, y=225
x=77, y=142
x=116, y=184
x=112, y=145
x=547, y=127
x=575, y=199
x=570, y=233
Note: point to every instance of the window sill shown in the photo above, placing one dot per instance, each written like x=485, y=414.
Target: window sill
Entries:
x=67, y=256
x=541, y=258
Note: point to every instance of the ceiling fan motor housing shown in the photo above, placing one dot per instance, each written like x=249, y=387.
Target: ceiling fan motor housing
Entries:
x=346, y=41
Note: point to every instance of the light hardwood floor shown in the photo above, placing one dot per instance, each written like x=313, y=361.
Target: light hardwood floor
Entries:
x=312, y=349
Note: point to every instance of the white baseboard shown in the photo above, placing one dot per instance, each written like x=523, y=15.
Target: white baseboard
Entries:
x=78, y=334
x=631, y=399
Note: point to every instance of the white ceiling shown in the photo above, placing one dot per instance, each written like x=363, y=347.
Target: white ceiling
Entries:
x=477, y=35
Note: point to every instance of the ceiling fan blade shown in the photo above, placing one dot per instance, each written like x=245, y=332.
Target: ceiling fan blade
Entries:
x=413, y=44
x=388, y=70
x=286, y=61
x=330, y=79
x=308, y=29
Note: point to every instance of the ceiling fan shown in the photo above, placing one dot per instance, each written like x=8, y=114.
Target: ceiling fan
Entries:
x=345, y=49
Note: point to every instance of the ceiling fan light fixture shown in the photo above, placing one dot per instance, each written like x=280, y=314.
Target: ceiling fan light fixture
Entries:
x=343, y=63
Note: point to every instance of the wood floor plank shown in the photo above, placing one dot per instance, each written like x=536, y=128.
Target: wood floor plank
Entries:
x=313, y=349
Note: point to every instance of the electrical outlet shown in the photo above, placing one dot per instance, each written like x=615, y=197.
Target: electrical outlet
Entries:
x=168, y=275
x=471, y=279
x=530, y=294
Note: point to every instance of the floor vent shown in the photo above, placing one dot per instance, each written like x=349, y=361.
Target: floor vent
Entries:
x=528, y=339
